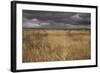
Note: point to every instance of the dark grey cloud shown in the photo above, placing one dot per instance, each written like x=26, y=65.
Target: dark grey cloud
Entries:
x=50, y=19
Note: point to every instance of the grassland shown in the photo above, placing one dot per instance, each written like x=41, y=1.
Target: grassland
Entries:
x=55, y=45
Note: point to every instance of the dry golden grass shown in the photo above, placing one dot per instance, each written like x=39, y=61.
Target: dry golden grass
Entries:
x=55, y=45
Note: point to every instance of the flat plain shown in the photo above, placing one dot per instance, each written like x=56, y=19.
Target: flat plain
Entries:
x=42, y=45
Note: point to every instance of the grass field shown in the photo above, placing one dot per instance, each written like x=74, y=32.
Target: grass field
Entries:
x=55, y=45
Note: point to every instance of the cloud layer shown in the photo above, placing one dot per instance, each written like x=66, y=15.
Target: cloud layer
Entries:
x=48, y=19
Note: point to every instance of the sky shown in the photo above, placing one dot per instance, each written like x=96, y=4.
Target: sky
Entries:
x=51, y=19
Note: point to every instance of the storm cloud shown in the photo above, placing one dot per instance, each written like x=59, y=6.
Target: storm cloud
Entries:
x=50, y=19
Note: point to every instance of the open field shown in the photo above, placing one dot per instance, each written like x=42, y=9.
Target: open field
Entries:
x=55, y=45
